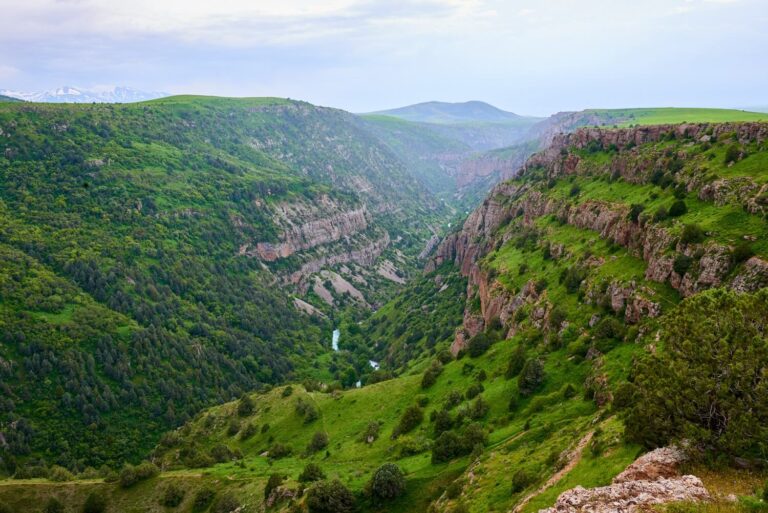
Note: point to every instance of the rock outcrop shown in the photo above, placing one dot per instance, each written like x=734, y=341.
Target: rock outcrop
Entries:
x=653, y=478
x=305, y=226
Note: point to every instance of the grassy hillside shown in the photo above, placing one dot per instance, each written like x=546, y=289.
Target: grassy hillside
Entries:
x=127, y=301
x=672, y=115
x=8, y=99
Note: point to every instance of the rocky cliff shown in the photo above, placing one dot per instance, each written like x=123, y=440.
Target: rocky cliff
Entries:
x=641, y=157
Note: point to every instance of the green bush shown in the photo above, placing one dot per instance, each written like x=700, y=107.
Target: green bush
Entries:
x=371, y=433
x=387, y=483
x=53, y=505
x=330, y=497
x=319, y=442
x=682, y=264
x=172, y=496
x=95, y=503
x=446, y=447
x=131, y=475
x=412, y=417
x=479, y=344
x=708, y=384
x=474, y=390
x=245, y=406
x=278, y=451
x=312, y=472
x=531, y=376
x=248, y=431
x=678, y=208
x=60, y=474
x=203, y=499
x=732, y=153
x=516, y=362
x=661, y=214
x=634, y=212
x=742, y=252
x=692, y=234
x=521, y=480
x=431, y=374
x=273, y=482
x=227, y=503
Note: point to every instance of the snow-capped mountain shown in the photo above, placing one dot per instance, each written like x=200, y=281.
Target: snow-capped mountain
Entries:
x=68, y=94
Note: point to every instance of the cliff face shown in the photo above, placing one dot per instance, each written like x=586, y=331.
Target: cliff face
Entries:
x=305, y=226
x=634, y=159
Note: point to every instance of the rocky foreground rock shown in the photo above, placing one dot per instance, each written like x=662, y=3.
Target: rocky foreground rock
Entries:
x=654, y=478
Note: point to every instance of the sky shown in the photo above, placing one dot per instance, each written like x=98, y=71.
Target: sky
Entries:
x=532, y=57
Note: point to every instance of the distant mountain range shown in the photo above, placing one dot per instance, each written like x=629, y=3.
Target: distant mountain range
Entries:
x=68, y=94
x=452, y=113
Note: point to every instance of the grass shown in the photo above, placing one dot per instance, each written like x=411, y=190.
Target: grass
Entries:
x=673, y=115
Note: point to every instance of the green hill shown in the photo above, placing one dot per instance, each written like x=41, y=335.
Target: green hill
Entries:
x=449, y=113
x=8, y=99
x=137, y=281
x=596, y=299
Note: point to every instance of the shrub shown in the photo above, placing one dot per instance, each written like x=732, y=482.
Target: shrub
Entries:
x=531, y=376
x=131, y=475
x=453, y=490
x=319, y=442
x=732, y=153
x=227, y=503
x=634, y=212
x=661, y=214
x=443, y=422
x=330, y=497
x=453, y=399
x=521, y=480
x=371, y=433
x=431, y=374
x=710, y=374
x=307, y=410
x=60, y=474
x=245, y=406
x=387, y=483
x=691, y=234
x=479, y=408
x=312, y=472
x=203, y=498
x=516, y=362
x=479, y=344
x=53, y=505
x=446, y=447
x=678, y=208
x=287, y=391
x=412, y=417
x=273, y=482
x=682, y=264
x=278, y=450
x=474, y=390
x=95, y=503
x=575, y=190
x=233, y=427
x=172, y=496
x=742, y=252
x=248, y=431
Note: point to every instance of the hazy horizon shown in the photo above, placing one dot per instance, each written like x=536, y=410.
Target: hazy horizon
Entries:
x=527, y=57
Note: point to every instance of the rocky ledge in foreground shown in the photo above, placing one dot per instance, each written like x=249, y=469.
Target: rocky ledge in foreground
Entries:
x=653, y=478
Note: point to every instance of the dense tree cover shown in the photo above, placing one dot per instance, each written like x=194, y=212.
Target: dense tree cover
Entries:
x=420, y=321
x=708, y=383
x=126, y=306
